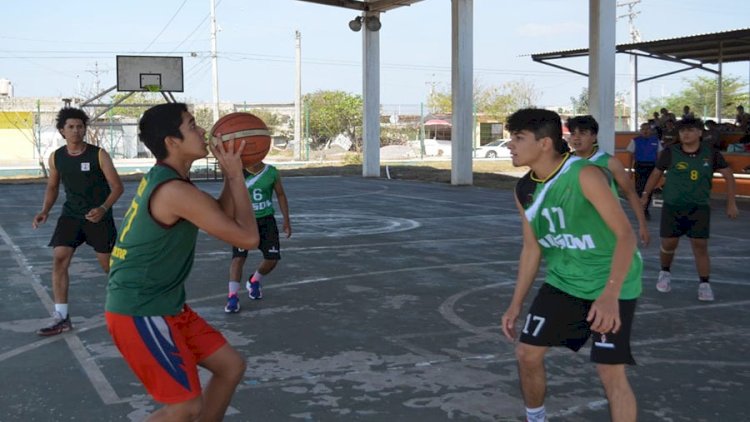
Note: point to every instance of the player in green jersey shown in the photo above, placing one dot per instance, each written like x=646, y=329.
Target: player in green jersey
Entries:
x=690, y=166
x=262, y=181
x=584, y=131
x=162, y=339
x=593, y=269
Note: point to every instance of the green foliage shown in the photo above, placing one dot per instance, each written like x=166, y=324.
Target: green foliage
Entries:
x=147, y=98
x=493, y=102
x=700, y=95
x=581, y=104
x=397, y=135
x=353, y=158
x=332, y=113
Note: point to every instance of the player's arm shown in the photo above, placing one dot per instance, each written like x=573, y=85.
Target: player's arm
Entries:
x=628, y=189
x=732, y=211
x=278, y=188
x=181, y=200
x=50, y=193
x=651, y=183
x=115, y=186
x=605, y=315
x=528, y=266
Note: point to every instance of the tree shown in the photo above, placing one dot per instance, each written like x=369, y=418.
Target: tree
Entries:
x=494, y=102
x=333, y=113
x=581, y=104
x=700, y=95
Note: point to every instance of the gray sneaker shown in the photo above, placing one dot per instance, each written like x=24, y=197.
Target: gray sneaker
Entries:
x=58, y=326
x=663, y=284
x=705, y=294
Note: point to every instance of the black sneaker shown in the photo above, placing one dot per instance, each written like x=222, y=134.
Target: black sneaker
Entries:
x=58, y=326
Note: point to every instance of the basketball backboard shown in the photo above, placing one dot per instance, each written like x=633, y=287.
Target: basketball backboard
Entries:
x=149, y=73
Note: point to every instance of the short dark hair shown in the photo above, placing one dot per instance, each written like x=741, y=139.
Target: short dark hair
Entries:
x=157, y=123
x=690, y=122
x=70, y=113
x=586, y=122
x=543, y=123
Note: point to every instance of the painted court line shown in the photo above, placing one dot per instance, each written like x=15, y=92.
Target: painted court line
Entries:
x=102, y=387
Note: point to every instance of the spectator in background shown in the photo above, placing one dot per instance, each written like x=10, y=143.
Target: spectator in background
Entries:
x=669, y=134
x=743, y=119
x=712, y=135
x=644, y=150
x=686, y=113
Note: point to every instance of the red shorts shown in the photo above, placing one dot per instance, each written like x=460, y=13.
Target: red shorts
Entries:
x=164, y=352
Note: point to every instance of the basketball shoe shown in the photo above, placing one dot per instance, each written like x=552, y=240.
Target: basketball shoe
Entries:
x=254, y=291
x=233, y=304
x=664, y=281
x=58, y=325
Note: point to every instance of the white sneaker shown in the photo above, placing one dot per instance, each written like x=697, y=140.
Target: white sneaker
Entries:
x=663, y=283
x=705, y=294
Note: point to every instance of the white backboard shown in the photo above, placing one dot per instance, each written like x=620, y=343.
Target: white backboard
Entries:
x=149, y=73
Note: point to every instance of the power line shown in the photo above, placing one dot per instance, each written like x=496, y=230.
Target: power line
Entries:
x=165, y=26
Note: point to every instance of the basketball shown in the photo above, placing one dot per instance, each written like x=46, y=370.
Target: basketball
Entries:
x=238, y=127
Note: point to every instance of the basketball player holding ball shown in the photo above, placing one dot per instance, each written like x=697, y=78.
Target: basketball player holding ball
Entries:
x=262, y=181
x=161, y=338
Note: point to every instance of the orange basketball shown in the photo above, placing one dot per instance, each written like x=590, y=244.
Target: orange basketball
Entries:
x=238, y=127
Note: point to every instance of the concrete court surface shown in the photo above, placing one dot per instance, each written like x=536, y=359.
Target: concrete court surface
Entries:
x=385, y=307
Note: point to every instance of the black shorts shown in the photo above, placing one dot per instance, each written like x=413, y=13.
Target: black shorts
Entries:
x=71, y=231
x=559, y=319
x=693, y=221
x=269, y=240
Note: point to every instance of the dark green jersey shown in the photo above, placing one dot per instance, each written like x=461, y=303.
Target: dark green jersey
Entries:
x=150, y=261
x=576, y=243
x=260, y=188
x=83, y=179
x=689, y=175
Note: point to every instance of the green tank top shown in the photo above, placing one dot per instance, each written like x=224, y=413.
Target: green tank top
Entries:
x=150, y=262
x=601, y=159
x=260, y=188
x=576, y=243
x=688, y=176
x=83, y=179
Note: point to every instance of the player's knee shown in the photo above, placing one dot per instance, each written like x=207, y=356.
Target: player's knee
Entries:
x=527, y=356
x=666, y=251
x=185, y=411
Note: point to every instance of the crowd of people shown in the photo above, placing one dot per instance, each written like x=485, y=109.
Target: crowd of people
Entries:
x=664, y=124
x=568, y=204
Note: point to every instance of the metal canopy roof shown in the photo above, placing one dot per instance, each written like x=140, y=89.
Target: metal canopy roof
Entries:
x=366, y=5
x=693, y=51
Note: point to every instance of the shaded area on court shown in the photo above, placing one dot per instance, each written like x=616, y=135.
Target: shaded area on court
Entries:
x=385, y=306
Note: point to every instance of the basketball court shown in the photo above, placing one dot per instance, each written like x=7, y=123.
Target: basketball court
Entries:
x=385, y=307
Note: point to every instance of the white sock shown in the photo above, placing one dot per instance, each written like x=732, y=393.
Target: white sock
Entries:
x=256, y=277
x=537, y=414
x=62, y=309
x=234, y=287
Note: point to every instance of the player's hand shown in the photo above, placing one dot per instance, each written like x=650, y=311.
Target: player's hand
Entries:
x=644, y=199
x=644, y=235
x=39, y=219
x=95, y=215
x=287, y=229
x=509, y=322
x=604, y=316
x=732, y=211
x=229, y=160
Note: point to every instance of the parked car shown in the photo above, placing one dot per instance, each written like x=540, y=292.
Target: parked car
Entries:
x=495, y=149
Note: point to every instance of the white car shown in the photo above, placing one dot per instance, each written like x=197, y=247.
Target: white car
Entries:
x=495, y=149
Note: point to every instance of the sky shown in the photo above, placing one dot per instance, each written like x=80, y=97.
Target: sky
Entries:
x=53, y=48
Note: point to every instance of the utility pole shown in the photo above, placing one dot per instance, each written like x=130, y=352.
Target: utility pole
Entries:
x=298, y=96
x=214, y=64
x=97, y=80
x=635, y=36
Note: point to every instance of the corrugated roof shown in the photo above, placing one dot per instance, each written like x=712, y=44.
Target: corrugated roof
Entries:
x=710, y=48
